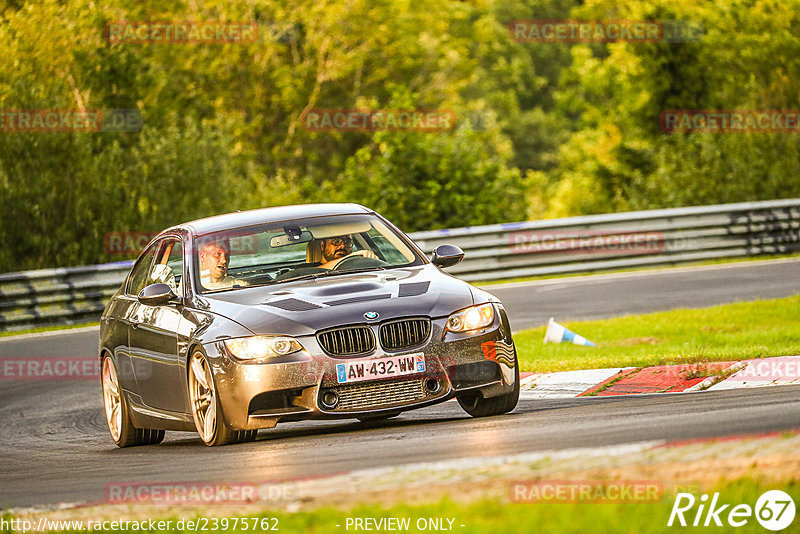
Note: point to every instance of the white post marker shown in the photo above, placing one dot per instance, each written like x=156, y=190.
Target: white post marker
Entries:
x=557, y=333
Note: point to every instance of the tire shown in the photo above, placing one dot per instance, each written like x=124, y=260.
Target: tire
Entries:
x=246, y=436
x=209, y=419
x=477, y=406
x=122, y=430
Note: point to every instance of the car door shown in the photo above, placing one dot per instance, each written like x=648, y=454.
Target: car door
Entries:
x=153, y=333
x=124, y=307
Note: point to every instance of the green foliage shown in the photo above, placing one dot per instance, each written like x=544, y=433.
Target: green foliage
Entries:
x=618, y=159
x=425, y=180
x=542, y=129
x=432, y=181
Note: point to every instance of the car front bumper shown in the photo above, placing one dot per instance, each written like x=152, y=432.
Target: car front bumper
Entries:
x=294, y=387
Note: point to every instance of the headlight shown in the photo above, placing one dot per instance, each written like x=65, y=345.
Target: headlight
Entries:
x=252, y=348
x=471, y=318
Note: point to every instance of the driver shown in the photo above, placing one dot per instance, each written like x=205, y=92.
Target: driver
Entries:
x=214, y=256
x=336, y=249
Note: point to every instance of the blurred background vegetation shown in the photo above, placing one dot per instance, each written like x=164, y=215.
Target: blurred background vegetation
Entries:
x=542, y=129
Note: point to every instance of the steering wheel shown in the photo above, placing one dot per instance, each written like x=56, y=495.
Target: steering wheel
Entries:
x=359, y=262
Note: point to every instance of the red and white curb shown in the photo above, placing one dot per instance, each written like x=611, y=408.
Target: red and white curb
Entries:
x=662, y=379
x=565, y=383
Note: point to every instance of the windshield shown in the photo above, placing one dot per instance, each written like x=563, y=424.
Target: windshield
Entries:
x=298, y=249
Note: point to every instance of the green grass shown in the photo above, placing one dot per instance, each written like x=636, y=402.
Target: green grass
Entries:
x=484, y=516
x=492, y=516
x=736, y=331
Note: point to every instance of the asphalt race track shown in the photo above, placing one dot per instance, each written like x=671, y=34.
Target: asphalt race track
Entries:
x=55, y=447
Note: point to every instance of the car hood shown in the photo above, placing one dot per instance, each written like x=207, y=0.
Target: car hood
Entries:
x=306, y=306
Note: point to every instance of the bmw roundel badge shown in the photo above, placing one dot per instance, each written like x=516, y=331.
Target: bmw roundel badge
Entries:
x=371, y=315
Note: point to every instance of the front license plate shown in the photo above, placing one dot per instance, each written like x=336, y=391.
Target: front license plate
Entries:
x=355, y=371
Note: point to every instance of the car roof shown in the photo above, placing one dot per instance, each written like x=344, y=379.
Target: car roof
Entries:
x=268, y=215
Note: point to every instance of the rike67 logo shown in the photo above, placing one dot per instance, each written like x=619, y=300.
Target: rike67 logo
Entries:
x=774, y=510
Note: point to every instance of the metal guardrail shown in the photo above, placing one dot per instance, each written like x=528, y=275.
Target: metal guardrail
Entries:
x=622, y=240
x=493, y=252
x=48, y=297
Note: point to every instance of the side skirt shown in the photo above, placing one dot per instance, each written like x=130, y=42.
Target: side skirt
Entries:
x=147, y=417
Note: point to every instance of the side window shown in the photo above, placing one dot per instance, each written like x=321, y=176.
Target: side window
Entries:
x=175, y=263
x=168, y=266
x=141, y=270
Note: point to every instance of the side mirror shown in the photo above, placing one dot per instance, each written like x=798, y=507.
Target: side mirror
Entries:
x=447, y=255
x=156, y=295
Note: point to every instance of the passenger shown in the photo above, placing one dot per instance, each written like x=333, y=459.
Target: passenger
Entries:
x=214, y=257
x=336, y=249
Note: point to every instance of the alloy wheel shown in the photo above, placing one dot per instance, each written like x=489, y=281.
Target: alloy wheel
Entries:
x=203, y=397
x=111, y=399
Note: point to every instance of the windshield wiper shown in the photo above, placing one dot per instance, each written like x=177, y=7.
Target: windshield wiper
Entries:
x=307, y=276
x=314, y=276
x=332, y=272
